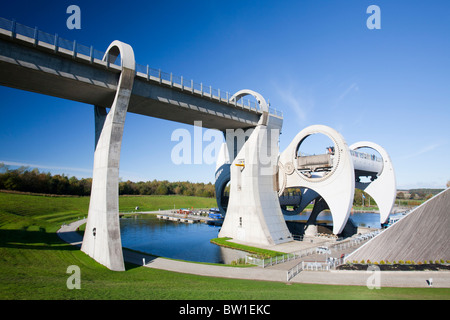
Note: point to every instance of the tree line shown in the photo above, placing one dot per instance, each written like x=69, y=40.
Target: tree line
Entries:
x=417, y=194
x=360, y=197
x=26, y=180
x=165, y=187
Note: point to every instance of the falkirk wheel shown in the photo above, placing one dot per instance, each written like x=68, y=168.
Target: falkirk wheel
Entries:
x=329, y=180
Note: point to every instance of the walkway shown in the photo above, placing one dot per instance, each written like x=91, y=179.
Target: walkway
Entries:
x=441, y=279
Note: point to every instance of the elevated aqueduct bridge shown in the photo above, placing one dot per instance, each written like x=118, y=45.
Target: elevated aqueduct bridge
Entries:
x=36, y=61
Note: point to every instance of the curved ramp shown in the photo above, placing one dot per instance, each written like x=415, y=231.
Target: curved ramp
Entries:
x=421, y=235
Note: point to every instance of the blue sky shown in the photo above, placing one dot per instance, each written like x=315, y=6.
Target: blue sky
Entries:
x=315, y=60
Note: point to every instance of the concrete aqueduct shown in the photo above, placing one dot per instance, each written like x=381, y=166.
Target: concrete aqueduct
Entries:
x=36, y=61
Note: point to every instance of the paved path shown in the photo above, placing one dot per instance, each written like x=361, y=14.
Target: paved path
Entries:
x=275, y=273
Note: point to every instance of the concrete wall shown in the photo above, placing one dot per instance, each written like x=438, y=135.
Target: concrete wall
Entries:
x=254, y=214
x=422, y=235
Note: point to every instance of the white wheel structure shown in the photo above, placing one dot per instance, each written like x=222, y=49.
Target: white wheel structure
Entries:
x=335, y=186
x=383, y=186
x=335, y=175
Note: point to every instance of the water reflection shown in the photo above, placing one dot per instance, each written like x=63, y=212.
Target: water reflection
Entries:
x=175, y=240
x=191, y=241
x=359, y=219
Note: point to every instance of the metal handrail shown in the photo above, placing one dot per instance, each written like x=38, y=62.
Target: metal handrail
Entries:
x=332, y=263
x=58, y=44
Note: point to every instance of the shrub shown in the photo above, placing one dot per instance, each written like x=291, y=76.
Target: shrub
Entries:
x=401, y=261
x=240, y=261
x=382, y=262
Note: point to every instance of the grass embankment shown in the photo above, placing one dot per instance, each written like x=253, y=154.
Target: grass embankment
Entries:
x=34, y=261
x=260, y=253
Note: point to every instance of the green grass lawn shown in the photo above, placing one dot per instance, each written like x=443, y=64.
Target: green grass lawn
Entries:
x=34, y=261
x=260, y=253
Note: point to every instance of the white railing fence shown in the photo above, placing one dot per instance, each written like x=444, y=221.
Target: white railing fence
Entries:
x=331, y=263
x=58, y=44
x=266, y=262
x=326, y=248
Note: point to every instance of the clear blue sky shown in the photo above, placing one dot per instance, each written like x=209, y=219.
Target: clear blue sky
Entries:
x=315, y=60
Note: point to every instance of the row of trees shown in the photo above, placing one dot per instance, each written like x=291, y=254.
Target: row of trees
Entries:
x=26, y=180
x=415, y=195
x=165, y=187
x=23, y=179
x=360, y=198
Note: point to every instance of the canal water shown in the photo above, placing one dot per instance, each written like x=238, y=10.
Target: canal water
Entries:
x=190, y=242
x=175, y=240
x=360, y=219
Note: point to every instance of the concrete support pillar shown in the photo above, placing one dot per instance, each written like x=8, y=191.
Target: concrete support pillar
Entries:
x=311, y=230
x=99, y=120
x=254, y=214
x=102, y=235
x=319, y=206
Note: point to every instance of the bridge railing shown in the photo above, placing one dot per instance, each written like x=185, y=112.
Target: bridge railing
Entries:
x=366, y=156
x=59, y=44
x=189, y=85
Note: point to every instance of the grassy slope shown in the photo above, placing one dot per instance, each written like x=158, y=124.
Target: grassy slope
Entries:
x=260, y=253
x=33, y=264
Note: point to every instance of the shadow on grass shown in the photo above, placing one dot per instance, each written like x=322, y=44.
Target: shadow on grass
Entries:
x=42, y=240
x=34, y=240
x=134, y=258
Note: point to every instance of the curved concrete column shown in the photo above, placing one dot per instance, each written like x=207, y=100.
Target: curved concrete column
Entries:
x=253, y=213
x=383, y=189
x=102, y=235
x=245, y=92
x=307, y=196
x=336, y=187
x=259, y=98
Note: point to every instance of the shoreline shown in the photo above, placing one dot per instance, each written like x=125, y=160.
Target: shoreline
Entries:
x=410, y=279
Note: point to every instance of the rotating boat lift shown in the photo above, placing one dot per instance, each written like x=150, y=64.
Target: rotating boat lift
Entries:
x=328, y=179
x=258, y=174
x=331, y=178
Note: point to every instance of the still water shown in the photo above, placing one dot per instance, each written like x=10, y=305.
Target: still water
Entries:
x=191, y=241
x=360, y=219
x=175, y=240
